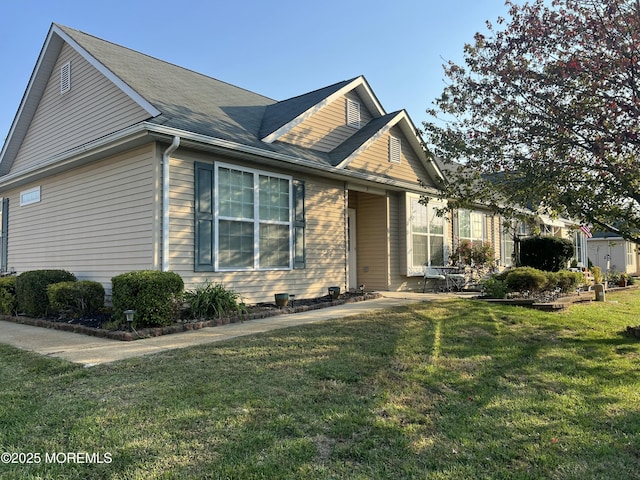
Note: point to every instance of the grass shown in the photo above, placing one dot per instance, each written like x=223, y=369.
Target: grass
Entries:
x=452, y=389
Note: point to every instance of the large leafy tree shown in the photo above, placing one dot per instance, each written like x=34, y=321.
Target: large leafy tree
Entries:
x=545, y=112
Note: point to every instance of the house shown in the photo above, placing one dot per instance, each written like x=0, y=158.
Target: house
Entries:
x=480, y=224
x=117, y=161
x=611, y=252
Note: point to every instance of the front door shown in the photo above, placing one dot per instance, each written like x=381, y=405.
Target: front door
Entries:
x=351, y=250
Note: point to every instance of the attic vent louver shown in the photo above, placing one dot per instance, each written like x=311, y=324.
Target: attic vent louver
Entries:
x=395, y=149
x=353, y=113
x=65, y=78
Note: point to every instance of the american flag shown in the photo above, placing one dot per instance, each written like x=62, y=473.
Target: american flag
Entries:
x=586, y=230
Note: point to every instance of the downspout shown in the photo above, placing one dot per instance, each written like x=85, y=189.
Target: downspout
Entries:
x=165, y=201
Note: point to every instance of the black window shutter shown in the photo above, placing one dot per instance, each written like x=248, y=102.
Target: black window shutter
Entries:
x=204, y=221
x=299, y=224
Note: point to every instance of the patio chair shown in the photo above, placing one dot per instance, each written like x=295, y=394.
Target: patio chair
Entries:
x=456, y=281
x=431, y=275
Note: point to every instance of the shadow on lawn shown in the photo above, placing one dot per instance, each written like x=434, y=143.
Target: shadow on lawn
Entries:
x=458, y=389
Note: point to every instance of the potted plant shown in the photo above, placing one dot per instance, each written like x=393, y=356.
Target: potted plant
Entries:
x=334, y=293
x=282, y=299
x=623, y=280
x=613, y=278
x=598, y=287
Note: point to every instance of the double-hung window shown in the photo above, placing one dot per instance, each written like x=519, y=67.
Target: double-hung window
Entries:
x=247, y=219
x=425, y=236
x=471, y=226
x=253, y=219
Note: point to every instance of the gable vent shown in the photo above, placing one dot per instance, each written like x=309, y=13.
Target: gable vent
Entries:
x=65, y=78
x=395, y=149
x=353, y=113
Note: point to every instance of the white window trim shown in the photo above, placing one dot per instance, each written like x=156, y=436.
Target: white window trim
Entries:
x=256, y=218
x=482, y=223
x=30, y=196
x=418, y=270
x=353, y=113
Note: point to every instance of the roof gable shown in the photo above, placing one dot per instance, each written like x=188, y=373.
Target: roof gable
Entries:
x=54, y=42
x=282, y=117
x=346, y=153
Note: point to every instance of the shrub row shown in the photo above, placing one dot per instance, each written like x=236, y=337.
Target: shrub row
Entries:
x=38, y=293
x=531, y=279
x=157, y=297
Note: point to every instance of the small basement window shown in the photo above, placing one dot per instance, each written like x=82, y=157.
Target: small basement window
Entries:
x=353, y=113
x=65, y=78
x=30, y=196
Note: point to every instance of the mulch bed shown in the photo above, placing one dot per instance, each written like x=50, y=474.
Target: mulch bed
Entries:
x=552, y=305
x=94, y=325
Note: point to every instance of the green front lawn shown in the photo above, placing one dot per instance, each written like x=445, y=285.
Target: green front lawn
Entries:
x=452, y=389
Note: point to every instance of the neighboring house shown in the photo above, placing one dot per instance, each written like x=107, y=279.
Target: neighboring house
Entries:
x=611, y=252
x=117, y=161
x=481, y=225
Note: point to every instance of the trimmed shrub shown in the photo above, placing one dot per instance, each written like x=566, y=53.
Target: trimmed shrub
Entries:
x=155, y=296
x=494, y=287
x=209, y=301
x=524, y=278
x=565, y=280
x=8, y=300
x=31, y=290
x=76, y=299
x=550, y=254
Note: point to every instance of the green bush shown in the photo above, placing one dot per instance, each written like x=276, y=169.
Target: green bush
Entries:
x=524, y=278
x=31, y=290
x=208, y=301
x=495, y=288
x=76, y=299
x=550, y=254
x=565, y=280
x=8, y=300
x=155, y=296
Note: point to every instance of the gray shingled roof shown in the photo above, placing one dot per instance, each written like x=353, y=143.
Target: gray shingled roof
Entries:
x=188, y=100
x=279, y=114
x=197, y=103
x=356, y=140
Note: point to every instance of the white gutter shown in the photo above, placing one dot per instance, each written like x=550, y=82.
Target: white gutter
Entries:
x=165, y=201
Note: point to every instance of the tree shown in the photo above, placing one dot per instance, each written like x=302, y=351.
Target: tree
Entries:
x=546, y=113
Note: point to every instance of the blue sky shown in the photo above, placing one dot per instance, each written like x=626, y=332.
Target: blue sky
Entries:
x=278, y=49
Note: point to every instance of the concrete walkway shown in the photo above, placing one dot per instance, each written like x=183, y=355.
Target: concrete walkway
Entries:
x=90, y=351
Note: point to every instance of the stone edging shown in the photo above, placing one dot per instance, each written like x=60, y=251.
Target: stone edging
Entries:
x=179, y=327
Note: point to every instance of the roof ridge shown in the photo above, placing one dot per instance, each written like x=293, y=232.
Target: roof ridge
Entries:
x=70, y=31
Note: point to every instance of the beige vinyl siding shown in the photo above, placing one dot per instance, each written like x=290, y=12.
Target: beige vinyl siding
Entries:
x=325, y=238
x=96, y=221
x=398, y=245
x=375, y=160
x=327, y=128
x=94, y=107
x=373, y=241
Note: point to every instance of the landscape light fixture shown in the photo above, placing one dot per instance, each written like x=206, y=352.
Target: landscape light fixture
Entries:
x=129, y=314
